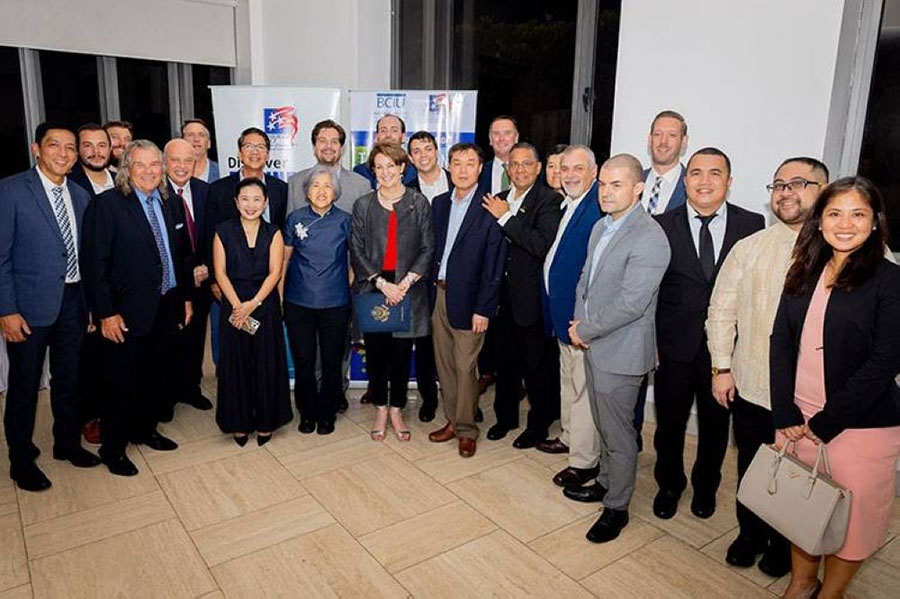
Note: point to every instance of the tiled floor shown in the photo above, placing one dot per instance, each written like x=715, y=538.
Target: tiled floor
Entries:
x=342, y=516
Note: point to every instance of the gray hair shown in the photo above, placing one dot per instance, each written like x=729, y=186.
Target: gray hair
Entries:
x=123, y=177
x=592, y=160
x=318, y=170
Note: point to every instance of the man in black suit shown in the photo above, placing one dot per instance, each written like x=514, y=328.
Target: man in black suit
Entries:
x=135, y=273
x=701, y=232
x=528, y=213
x=91, y=170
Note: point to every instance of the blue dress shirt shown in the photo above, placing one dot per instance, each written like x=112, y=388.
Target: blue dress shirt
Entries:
x=156, y=204
x=318, y=272
x=458, y=209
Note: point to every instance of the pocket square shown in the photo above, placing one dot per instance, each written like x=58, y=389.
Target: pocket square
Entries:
x=179, y=226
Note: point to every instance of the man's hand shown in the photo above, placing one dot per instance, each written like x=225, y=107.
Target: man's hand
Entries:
x=573, y=335
x=113, y=328
x=217, y=293
x=479, y=324
x=201, y=273
x=15, y=329
x=495, y=205
x=723, y=388
x=188, y=314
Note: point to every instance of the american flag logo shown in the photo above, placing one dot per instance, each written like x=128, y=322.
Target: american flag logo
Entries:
x=282, y=120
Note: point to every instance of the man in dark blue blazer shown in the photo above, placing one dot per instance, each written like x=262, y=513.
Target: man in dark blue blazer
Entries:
x=466, y=272
x=390, y=128
x=503, y=135
x=41, y=302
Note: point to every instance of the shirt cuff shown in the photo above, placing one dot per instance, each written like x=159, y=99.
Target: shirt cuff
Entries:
x=505, y=218
x=721, y=361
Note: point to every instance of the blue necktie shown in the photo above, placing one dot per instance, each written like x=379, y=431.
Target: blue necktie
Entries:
x=654, y=196
x=65, y=228
x=160, y=246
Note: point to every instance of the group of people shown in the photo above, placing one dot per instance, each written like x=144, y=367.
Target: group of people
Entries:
x=573, y=283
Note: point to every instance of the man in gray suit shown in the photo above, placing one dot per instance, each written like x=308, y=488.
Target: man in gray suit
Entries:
x=328, y=139
x=615, y=307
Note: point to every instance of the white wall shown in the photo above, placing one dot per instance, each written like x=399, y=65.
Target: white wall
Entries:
x=752, y=78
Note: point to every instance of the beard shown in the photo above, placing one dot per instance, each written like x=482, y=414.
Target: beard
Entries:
x=91, y=167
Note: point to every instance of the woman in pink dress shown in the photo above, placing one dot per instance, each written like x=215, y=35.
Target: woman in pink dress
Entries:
x=835, y=353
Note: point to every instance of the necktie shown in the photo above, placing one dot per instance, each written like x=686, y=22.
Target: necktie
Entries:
x=65, y=228
x=654, y=195
x=160, y=246
x=189, y=219
x=707, y=254
x=504, y=179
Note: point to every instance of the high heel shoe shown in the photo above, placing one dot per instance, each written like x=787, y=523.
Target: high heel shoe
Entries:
x=241, y=440
x=380, y=424
x=263, y=439
x=403, y=434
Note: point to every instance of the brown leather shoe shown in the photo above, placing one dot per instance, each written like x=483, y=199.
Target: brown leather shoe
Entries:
x=466, y=447
x=443, y=434
x=91, y=432
x=552, y=446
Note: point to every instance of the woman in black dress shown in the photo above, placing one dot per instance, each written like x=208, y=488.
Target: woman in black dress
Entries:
x=248, y=252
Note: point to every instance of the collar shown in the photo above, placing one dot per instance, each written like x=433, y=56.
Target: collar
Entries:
x=186, y=186
x=692, y=213
x=671, y=176
x=143, y=196
x=454, y=199
x=519, y=197
x=46, y=182
x=613, y=225
x=312, y=213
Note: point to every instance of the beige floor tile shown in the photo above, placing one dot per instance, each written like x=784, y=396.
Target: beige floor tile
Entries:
x=13, y=561
x=418, y=446
x=77, y=489
x=324, y=563
x=424, y=536
x=719, y=547
x=213, y=595
x=154, y=562
x=568, y=550
x=288, y=440
x=190, y=424
x=376, y=493
x=194, y=453
x=890, y=553
x=81, y=528
x=669, y=568
x=520, y=497
x=877, y=579
x=447, y=466
x=210, y=493
x=8, y=503
x=260, y=529
x=22, y=592
x=495, y=565
x=325, y=458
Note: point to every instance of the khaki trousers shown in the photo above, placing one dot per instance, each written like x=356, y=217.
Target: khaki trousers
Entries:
x=578, y=429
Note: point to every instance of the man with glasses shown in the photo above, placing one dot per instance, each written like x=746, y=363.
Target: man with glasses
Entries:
x=741, y=312
x=196, y=133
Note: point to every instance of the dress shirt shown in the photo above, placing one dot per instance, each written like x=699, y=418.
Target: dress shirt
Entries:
x=497, y=167
x=716, y=228
x=317, y=274
x=666, y=187
x=70, y=211
x=157, y=208
x=569, y=206
x=743, y=306
x=458, y=209
x=431, y=190
x=514, y=204
x=187, y=195
x=265, y=214
x=108, y=184
x=610, y=227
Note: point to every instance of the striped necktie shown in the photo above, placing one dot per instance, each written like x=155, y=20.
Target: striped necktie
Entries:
x=65, y=228
x=654, y=196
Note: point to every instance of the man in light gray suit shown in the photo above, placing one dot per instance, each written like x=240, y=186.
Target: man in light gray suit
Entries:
x=615, y=307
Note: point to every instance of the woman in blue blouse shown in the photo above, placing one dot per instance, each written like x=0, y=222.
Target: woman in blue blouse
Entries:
x=317, y=298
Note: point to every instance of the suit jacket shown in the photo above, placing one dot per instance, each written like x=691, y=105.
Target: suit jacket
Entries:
x=685, y=292
x=409, y=174
x=529, y=234
x=616, y=309
x=475, y=262
x=200, y=201
x=79, y=176
x=353, y=186
x=485, y=179
x=559, y=299
x=121, y=265
x=861, y=345
x=679, y=195
x=32, y=251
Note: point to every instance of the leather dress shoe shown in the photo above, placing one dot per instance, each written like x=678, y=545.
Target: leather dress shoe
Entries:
x=528, y=439
x=552, y=446
x=608, y=526
x=743, y=552
x=703, y=506
x=343, y=404
x=775, y=562
x=77, y=456
x=307, y=426
x=120, y=465
x=426, y=413
x=325, y=428
x=665, y=504
x=158, y=442
x=198, y=401
x=497, y=432
x=571, y=476
x=30, y=478
x=91, y=432
x=166, y=414
x=466, y=447
x=445, y=433
x=587, y=494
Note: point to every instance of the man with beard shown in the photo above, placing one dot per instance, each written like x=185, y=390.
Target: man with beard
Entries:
x=741, y=312
x=120, y=135
x=196, y=133
x=91, y=171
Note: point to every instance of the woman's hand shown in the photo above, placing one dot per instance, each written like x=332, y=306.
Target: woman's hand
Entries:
x=811, y=435
x=393, y=293
x=794, y=433
x=241, y=312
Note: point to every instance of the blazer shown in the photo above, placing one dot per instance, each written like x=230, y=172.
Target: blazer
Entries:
x=79, y=176
x=559, y=298
x=353, y=186
x=616, y=309
x=410, y=174
x=475, y=262
x=32, y=251
x=529, y=235
x=861, y=345
x=415, y=249
x=679, y=195
x=213, y=172
x=684, y=293
x=200, y=201
x=120, y=264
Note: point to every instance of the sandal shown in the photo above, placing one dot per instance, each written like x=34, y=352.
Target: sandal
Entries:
x=403, y=434
x=380, y=425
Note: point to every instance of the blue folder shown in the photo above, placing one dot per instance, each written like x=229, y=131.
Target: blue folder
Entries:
x=374, y=315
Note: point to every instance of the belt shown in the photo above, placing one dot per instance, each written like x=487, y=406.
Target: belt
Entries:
x=442, y=284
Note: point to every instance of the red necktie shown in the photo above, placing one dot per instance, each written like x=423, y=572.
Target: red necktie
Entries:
x=189, y=219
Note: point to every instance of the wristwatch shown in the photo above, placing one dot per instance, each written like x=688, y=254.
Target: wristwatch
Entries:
x=717, y=371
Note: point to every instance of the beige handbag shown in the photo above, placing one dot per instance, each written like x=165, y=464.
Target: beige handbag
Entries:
x=805, y=505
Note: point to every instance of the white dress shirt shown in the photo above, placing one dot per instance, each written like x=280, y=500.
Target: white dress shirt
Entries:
x=497, y=168
x=716, y=228
x=187, y=195
x=70, y=211
x=108, y=184
x=666, y=188
x=569, y=206
x=432, y=190
x=514, y=201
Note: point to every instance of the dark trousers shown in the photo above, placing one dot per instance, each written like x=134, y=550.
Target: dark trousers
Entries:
x=387, y=358
x=192, y=346
x=26, y=363
x=525, y=353
x=425, y=370
x=90, y=377
x=676, y=384
x=313, y=331
x=139, y=380
x=752, y=428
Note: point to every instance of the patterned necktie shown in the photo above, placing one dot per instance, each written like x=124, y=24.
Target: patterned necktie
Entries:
x=160, y=245
x=654, y=195
x=707, y=253
x=65, y=228
x=189, y=219
x=504, y=179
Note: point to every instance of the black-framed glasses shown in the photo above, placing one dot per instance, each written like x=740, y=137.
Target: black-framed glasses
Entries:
x=793, y=185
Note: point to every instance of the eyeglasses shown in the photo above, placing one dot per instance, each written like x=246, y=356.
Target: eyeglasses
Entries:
x=793, y=185
x=250, y=147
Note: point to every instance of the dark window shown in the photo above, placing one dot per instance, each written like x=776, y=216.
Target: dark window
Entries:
x=203, y=76
x=144, y=98
x=71, y=91
x=606, y=53
x=14, y=140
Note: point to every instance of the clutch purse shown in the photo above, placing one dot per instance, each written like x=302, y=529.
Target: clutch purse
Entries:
x=374, y=315
x=805, y=505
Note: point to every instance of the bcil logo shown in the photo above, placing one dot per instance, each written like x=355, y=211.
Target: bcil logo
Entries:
x=438, y=101
x=281, y=121
x=390, y=101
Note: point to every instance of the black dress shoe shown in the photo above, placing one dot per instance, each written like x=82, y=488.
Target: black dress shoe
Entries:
x=166, y=414
x=776, y=562
x=78, y=456
x=325, y=428
x=608, y=526
x=497, y=432
x=241, y=440
x=30, y=478
x=120, y=465
x=528, y=439
x=665, y=504
x=588, y=494
x=343, y=404
x=198, y=401
x=552, y=446
x=307, y=426
x=158, y=442
x=703, y=506
x=743, y=552
x=569, y=477
x=263, y=439
x=426, y=413
x=479, y=415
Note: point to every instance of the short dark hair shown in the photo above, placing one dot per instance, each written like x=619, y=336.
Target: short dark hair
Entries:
x=40, y=132
x=397, y=154
x=384, y=116
x=121, y=124
x=670, y=114
x=465, y=147
x=710, y=151
x=422, y=136
x=504, y=117
x=256, y=130
x=524, y=145
x=328, y=124
x=815, y=165
x=247, y=183
x=556, y=149
x=194, y=121
x=91, y=127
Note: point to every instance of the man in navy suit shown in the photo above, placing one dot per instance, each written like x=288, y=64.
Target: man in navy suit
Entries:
x=503, y=135
x=41, y=302
x=390, y=128
x=466, y=272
